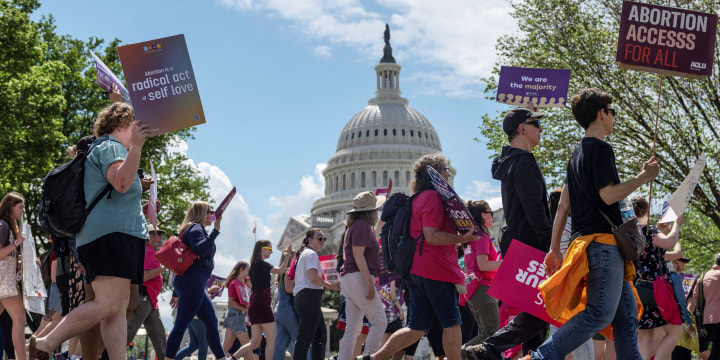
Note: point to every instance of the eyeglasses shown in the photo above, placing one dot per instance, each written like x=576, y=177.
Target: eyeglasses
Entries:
x=535, y=123
x=610, y=111
x=267, y=248
x=447, y=170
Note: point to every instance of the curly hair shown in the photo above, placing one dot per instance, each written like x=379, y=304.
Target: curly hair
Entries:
x=422, y=182
x=112, y=117
x=587, y=102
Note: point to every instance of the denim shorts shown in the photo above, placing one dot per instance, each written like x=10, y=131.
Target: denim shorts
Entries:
x=53, y=301
x=235, y=321
x=429, y=297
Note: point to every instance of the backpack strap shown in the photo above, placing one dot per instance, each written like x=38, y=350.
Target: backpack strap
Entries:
x=421, y=237
x=108, y=188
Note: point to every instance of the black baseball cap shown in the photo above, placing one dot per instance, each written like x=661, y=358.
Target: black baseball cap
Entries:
x=517, y=116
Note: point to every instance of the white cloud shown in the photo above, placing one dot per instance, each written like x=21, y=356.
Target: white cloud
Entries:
x=323, y=51
x=311, y=188
x=454, y=38
x=483, y=190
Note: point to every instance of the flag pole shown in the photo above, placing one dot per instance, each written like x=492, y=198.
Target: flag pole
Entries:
x=657, y=117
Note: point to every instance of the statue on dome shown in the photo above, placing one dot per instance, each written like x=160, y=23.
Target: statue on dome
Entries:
x=387, y=51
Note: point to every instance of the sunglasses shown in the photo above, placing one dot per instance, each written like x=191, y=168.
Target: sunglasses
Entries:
x=267, y=248
x=211, y=212
x=535, y=123
x=489, y=212
x=610, y=111
x=322, y=238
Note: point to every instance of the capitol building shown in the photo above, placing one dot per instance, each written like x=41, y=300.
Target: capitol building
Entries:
x=380, y=143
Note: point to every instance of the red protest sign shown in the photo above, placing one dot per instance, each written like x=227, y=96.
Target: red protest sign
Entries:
x=518, y=277
x=666, y=40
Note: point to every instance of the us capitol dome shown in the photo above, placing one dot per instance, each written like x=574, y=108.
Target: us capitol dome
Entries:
x=379, y=144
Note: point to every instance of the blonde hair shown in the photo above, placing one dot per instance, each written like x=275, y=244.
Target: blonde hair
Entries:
x=195, y=214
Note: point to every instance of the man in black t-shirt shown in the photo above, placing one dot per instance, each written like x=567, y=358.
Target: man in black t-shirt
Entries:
x=593, y=188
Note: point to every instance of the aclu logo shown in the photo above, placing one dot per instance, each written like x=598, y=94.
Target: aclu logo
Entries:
x=698, y=65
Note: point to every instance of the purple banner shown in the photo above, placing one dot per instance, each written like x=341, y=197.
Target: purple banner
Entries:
x=224, y=204
x=105, y=78
x=454, y=206
x=687, y=281
x=532, y=87
x=666, y=40
x=216, y=280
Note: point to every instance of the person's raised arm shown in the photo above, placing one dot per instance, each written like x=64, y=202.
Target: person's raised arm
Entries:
x=281, y=270
x=671, y=239
x=122, y=174
x=613, y=193
x=554, y=258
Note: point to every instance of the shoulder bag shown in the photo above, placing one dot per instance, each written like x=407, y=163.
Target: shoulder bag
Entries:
x=176, y=255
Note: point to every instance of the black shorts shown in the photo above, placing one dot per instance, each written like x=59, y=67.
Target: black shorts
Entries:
x=393, y=326
x=116, y=254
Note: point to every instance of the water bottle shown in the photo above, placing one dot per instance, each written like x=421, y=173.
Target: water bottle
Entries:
x=626, y=210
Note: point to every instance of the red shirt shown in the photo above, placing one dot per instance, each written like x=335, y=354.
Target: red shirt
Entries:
x=482, y=246
x=437, y=262
x=238, y=291
x=153, y=285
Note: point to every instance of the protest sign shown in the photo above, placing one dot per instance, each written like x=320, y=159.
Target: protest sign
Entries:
x=386, y=295
x=385, y=191
x=214, y=280
x=681, y=197
x=33, y=288
x=224, y=204
x=532, y=87
x=687, y=281
x=152, y=209
x=454, y=207
x=106, y=78
x=518, y=277
x=162, y=84
x=666, y=40
x=329, y=267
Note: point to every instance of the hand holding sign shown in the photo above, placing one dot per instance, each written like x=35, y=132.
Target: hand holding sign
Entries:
x=454, y=207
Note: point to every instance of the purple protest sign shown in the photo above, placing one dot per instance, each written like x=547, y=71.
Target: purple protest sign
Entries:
x=533, y=87
x=216, y=280
x=105, y=78
x=666, y=40
x=224, y=204
x=454, y=207
x=687, y=281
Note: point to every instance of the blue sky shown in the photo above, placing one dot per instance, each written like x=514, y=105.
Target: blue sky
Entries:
x=280, y=78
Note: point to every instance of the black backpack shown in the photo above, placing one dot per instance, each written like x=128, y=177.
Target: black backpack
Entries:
x=63, y=209
x=398, y=247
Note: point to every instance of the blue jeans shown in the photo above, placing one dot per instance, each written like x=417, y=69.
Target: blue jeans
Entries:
x=610, y=300
x=198, y=341
x=194, y=300
x=286, y=326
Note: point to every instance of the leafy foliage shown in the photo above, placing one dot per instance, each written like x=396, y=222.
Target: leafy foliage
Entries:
x=582, y=36
x=49, y=100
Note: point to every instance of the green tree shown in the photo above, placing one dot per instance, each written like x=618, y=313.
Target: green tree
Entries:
x=582, y=36
x=49, y=100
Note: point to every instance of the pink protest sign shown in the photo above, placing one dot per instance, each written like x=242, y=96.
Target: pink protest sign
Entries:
x=517, y=280
x=329, y=267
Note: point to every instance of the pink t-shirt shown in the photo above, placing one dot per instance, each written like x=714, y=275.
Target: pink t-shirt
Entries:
x=153, y=285
x=437, y=262
x=238, y=291
x=478, y=247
